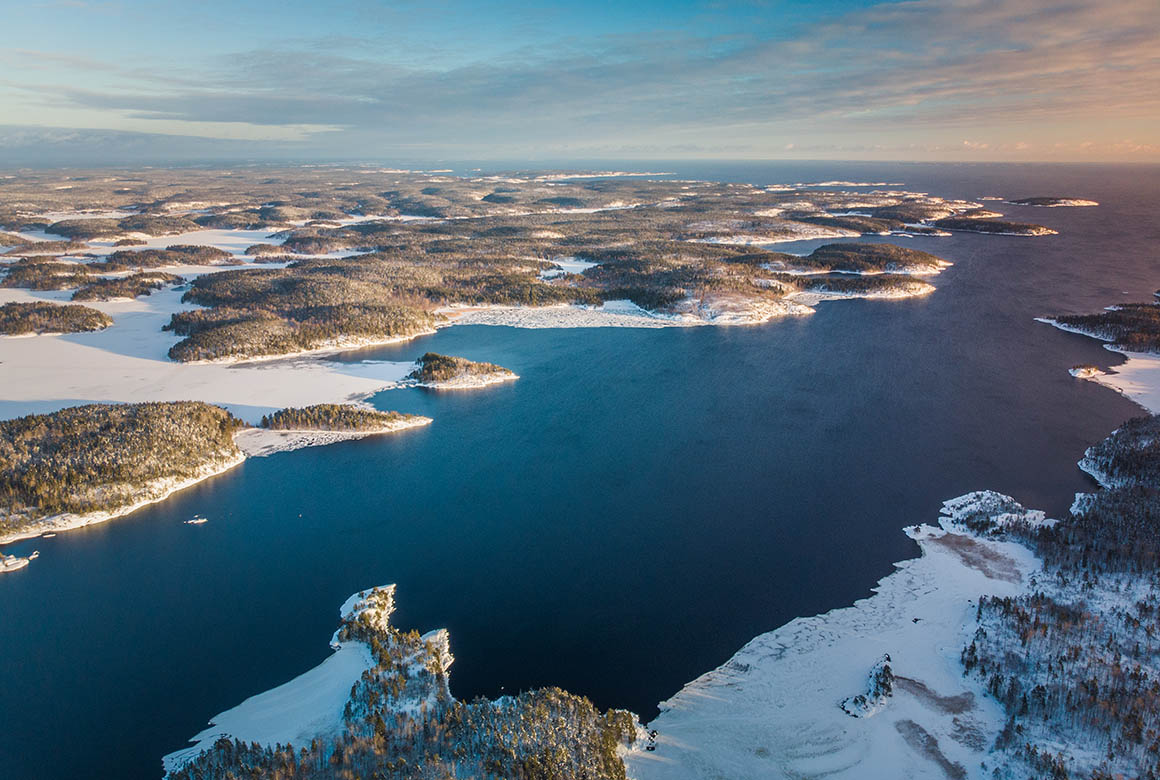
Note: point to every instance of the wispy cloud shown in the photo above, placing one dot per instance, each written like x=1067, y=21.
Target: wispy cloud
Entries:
x=931, y=72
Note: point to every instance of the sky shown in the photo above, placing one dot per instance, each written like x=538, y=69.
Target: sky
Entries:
x=1020, y=80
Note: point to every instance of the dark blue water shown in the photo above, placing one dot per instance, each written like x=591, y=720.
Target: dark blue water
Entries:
x=621, y=519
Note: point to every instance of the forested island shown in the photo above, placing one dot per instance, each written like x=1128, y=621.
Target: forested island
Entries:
x=1000, y=227
x=401, y=721
x=444, y=371
x=47, y=274
x=91, y=462
x=18, y=319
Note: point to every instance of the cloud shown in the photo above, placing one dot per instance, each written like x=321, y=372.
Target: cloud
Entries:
x=923, y=67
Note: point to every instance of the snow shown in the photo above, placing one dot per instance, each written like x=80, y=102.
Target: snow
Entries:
x=840, y=183
x=233, y=241
x=1060, y=202
x=128, y=363
x=1138, y=378
x=800, y=232
x=469, y=381
x=773, y=710
x=58, y=216
x=12, y=563
x=260, y=442
x=618, y=314
x=718, y=309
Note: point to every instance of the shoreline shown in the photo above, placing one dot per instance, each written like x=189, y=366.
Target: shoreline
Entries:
x=1137, y=378
x=288, y=712
x=263, y=442
x=466, y=382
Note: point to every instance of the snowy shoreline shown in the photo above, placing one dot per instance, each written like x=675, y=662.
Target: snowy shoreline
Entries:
x=261, y=442
x=1137, y=378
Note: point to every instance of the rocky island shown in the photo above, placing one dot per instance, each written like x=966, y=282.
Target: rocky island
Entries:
x=443, y=372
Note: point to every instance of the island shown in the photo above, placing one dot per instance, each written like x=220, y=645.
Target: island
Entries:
x=20, y=319
x=856, y=258
x=12, y=563
x=1050, y=202
x=999, y=227
x=443, y=372
x=45, y=275
x=175, y=254
x=390, y=713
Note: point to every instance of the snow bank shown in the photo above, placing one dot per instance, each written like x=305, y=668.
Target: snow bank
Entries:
x=260, y=442
x=12, y=563
x=470, y=382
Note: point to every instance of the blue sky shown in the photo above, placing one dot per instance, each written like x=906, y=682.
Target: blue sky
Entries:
x=922, y=79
